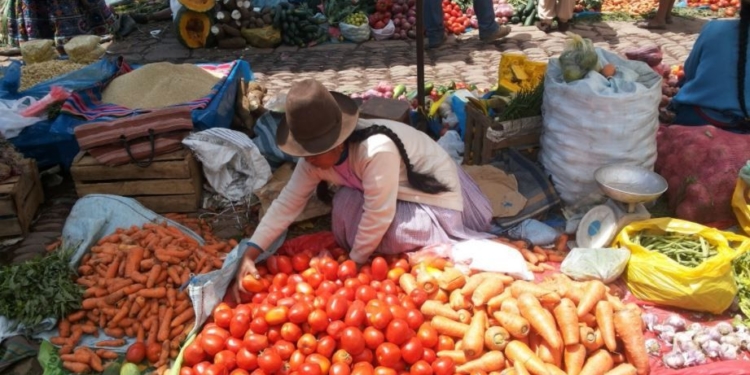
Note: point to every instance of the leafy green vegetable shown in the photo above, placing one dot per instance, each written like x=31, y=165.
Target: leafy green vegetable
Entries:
x=742, y=278
x=525, y=103
x=47, y=285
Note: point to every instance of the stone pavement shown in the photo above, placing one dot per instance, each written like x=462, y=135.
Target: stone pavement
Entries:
x=351, y=67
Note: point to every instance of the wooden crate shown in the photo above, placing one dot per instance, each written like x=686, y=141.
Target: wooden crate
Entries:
x=20, y=197
x=479, y=147
x=172, y=183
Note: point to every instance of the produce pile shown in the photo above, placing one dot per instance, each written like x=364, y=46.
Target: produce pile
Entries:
x=524, y=13
x=633, y=7
x=317, y=314
x=231, y=17
x=652, y=55
x=10, y=160
x=33, y=74
x=133, y=280
x=299, y=26
x=687, y=250
x=728, y=7
x=741, y=266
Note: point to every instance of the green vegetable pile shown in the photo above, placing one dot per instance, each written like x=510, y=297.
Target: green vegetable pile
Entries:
x=525, y=103
x=742, y=278
x=686, y=249
x=299, y=26
x=40, y=288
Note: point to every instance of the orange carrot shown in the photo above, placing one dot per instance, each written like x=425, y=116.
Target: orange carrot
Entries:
x=517, y=351
x=91, y=303
x=448, y=327
x=166, y=319
x=117, y=333
x=473, y=282
x=623, y=369
x=490, y=361
x=159, y=292
x=64, y=328
x=539, y=319
x=594, y=292
x=544, y=295
x=59, y=340
x=587, y=337
x=628, y=328
x=605, y=323
x=618, y=358
x=106, y=354
x=516, y=325
x=529, y=255
x=76, y=367
x=135, y=256
x=510, y=305
x=464, y=316
x=457, y=356
x=598, y=342
x=175, y=274
x=451, y=279
x=561, y=243
x=599, y=362
x=488, y=288
x=588, y=319
x=496, y=338
x=458, y=301
x=434, y=308
x=133, y=289
x=473, y=339
x=540, y=253
x=496, y=302
x=518, y=369
x=111, y=343
x=567, y=319
x=574, y=356
x=616, y=303
x=548, y=354
x=153, y=275
x=114, y=297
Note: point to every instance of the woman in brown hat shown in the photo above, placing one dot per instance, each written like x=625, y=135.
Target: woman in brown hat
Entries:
x=398, y=189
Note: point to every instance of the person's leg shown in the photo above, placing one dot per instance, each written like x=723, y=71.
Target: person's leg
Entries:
x=668, y=18
x=564, y=14
x=433, y=23
x=546, y=11
x=660, y=19
x=489, y=30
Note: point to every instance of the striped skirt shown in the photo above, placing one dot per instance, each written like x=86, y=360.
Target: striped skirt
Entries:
x=416, y=225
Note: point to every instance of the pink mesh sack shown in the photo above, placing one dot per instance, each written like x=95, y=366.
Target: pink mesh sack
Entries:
x=701, y=164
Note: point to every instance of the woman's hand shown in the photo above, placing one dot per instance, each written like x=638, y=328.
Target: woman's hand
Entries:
x=246, y=268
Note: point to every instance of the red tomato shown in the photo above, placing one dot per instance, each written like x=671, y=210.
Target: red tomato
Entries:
x=363, y=369
x=415, y=318
x=429, y=355
x=288, y=301
x=396, y=309
x=326, y=346
x=290, y=332
x=274, y=297
x=320, y=360
x=258, y=372
x=347, y=269
x=186, y=371
x=193, y=355
x=365, y=356
x=277, y=315
x=318, y=320
x=364, y=276
x=284, y=264
x=388, y=354
x=445, y=343
x=335, y=328
x=428, y=335
x=246, y=359
x=153, y=351
x=314, y=279
x=284, y=349
x=443, y=366
x=382, y=370
x=336, y=308
x=338, y=369
x=239, y=325
x=310, y=368
x=402, y=263
x=234, y=344
x=342, y=356
x=255, y=343
x=329, y=268
x=365, y=293
x=259, y=325
x=215, y=330
x=304, y=288
x=212, y=344
x=223, y=317
x=253, y=285
x=420, y=368
x=239, y=371
x=201, y=367
x=352, y=283
x=227, y=359
x=244, y=308
x=296, y=360
x=395, y=274
x=300, y=262
x=346, y=293
x=380, y=317
x=280, y=280
x=390, y=287
x=307, y=344
x=356, y=315
x=273, y=264
x=412, y=350
x=352, y=340
x=299, y=312
x=216, y=369
x=269, y=361
x=379, y=268
x=397, y=331
x=274, y=334
x=373, y=337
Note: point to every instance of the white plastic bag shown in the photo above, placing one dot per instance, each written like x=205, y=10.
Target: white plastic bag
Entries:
x=356, y=34
x=605, y=265
x=13, y=122
x=491, y=256
x=594, y=121
x=231, y=162
x=534, y=231
x=385, y=33
x=451, y=142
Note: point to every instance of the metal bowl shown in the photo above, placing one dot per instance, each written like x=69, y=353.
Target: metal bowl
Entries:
x=630, y=183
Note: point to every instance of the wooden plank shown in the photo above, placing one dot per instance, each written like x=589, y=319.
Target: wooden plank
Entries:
x=10, y=227
x=196, y=175
x=172, y=169
x=87, y=159
x=141, y=187
x=170, y=203
x=31, y=205
x=7, y=206
x=13, y=195
x=7, y=186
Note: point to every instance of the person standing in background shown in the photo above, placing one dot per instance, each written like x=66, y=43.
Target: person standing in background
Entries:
x=548, y=10
x=661, y=19
x=489, y=29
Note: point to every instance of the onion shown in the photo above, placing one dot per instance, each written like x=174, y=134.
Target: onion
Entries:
x=724, y=328
x=684, y=341
x=695, y=327
x=701, y=338
x=653, y=347
x=412, y=20
x=676, y=321
x=728, y=352
x=711, y=348
x=397, y=9
x=714, y=333
x=650, y=320
x=673, y=360
x=405, y=25
x=694, y=357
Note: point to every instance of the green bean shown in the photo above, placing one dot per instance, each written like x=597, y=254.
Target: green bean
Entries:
x=687, y=250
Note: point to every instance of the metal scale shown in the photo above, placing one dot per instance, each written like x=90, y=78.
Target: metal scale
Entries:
x=628, y=188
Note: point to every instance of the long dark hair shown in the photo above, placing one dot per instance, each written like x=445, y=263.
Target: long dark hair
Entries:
x=742, y=58
x=421, y=181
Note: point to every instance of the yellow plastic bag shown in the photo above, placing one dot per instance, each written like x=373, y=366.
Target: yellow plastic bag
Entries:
x=654, y=277
x=741, y=205
x=264, y=37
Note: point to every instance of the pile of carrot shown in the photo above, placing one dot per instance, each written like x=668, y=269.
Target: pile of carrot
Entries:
x=506, y=326
x=133, y=280
x=536, y=256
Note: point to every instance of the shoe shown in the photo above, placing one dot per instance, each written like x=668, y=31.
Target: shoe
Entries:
x=501, y=32
x=435, y=44
x=544, y=27
x=563, y=27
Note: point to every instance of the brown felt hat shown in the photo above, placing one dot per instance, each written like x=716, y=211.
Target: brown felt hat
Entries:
x=315, y=120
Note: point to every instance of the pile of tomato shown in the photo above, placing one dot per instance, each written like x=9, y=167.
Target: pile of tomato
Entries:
x=454, y=19
x=319, y=315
